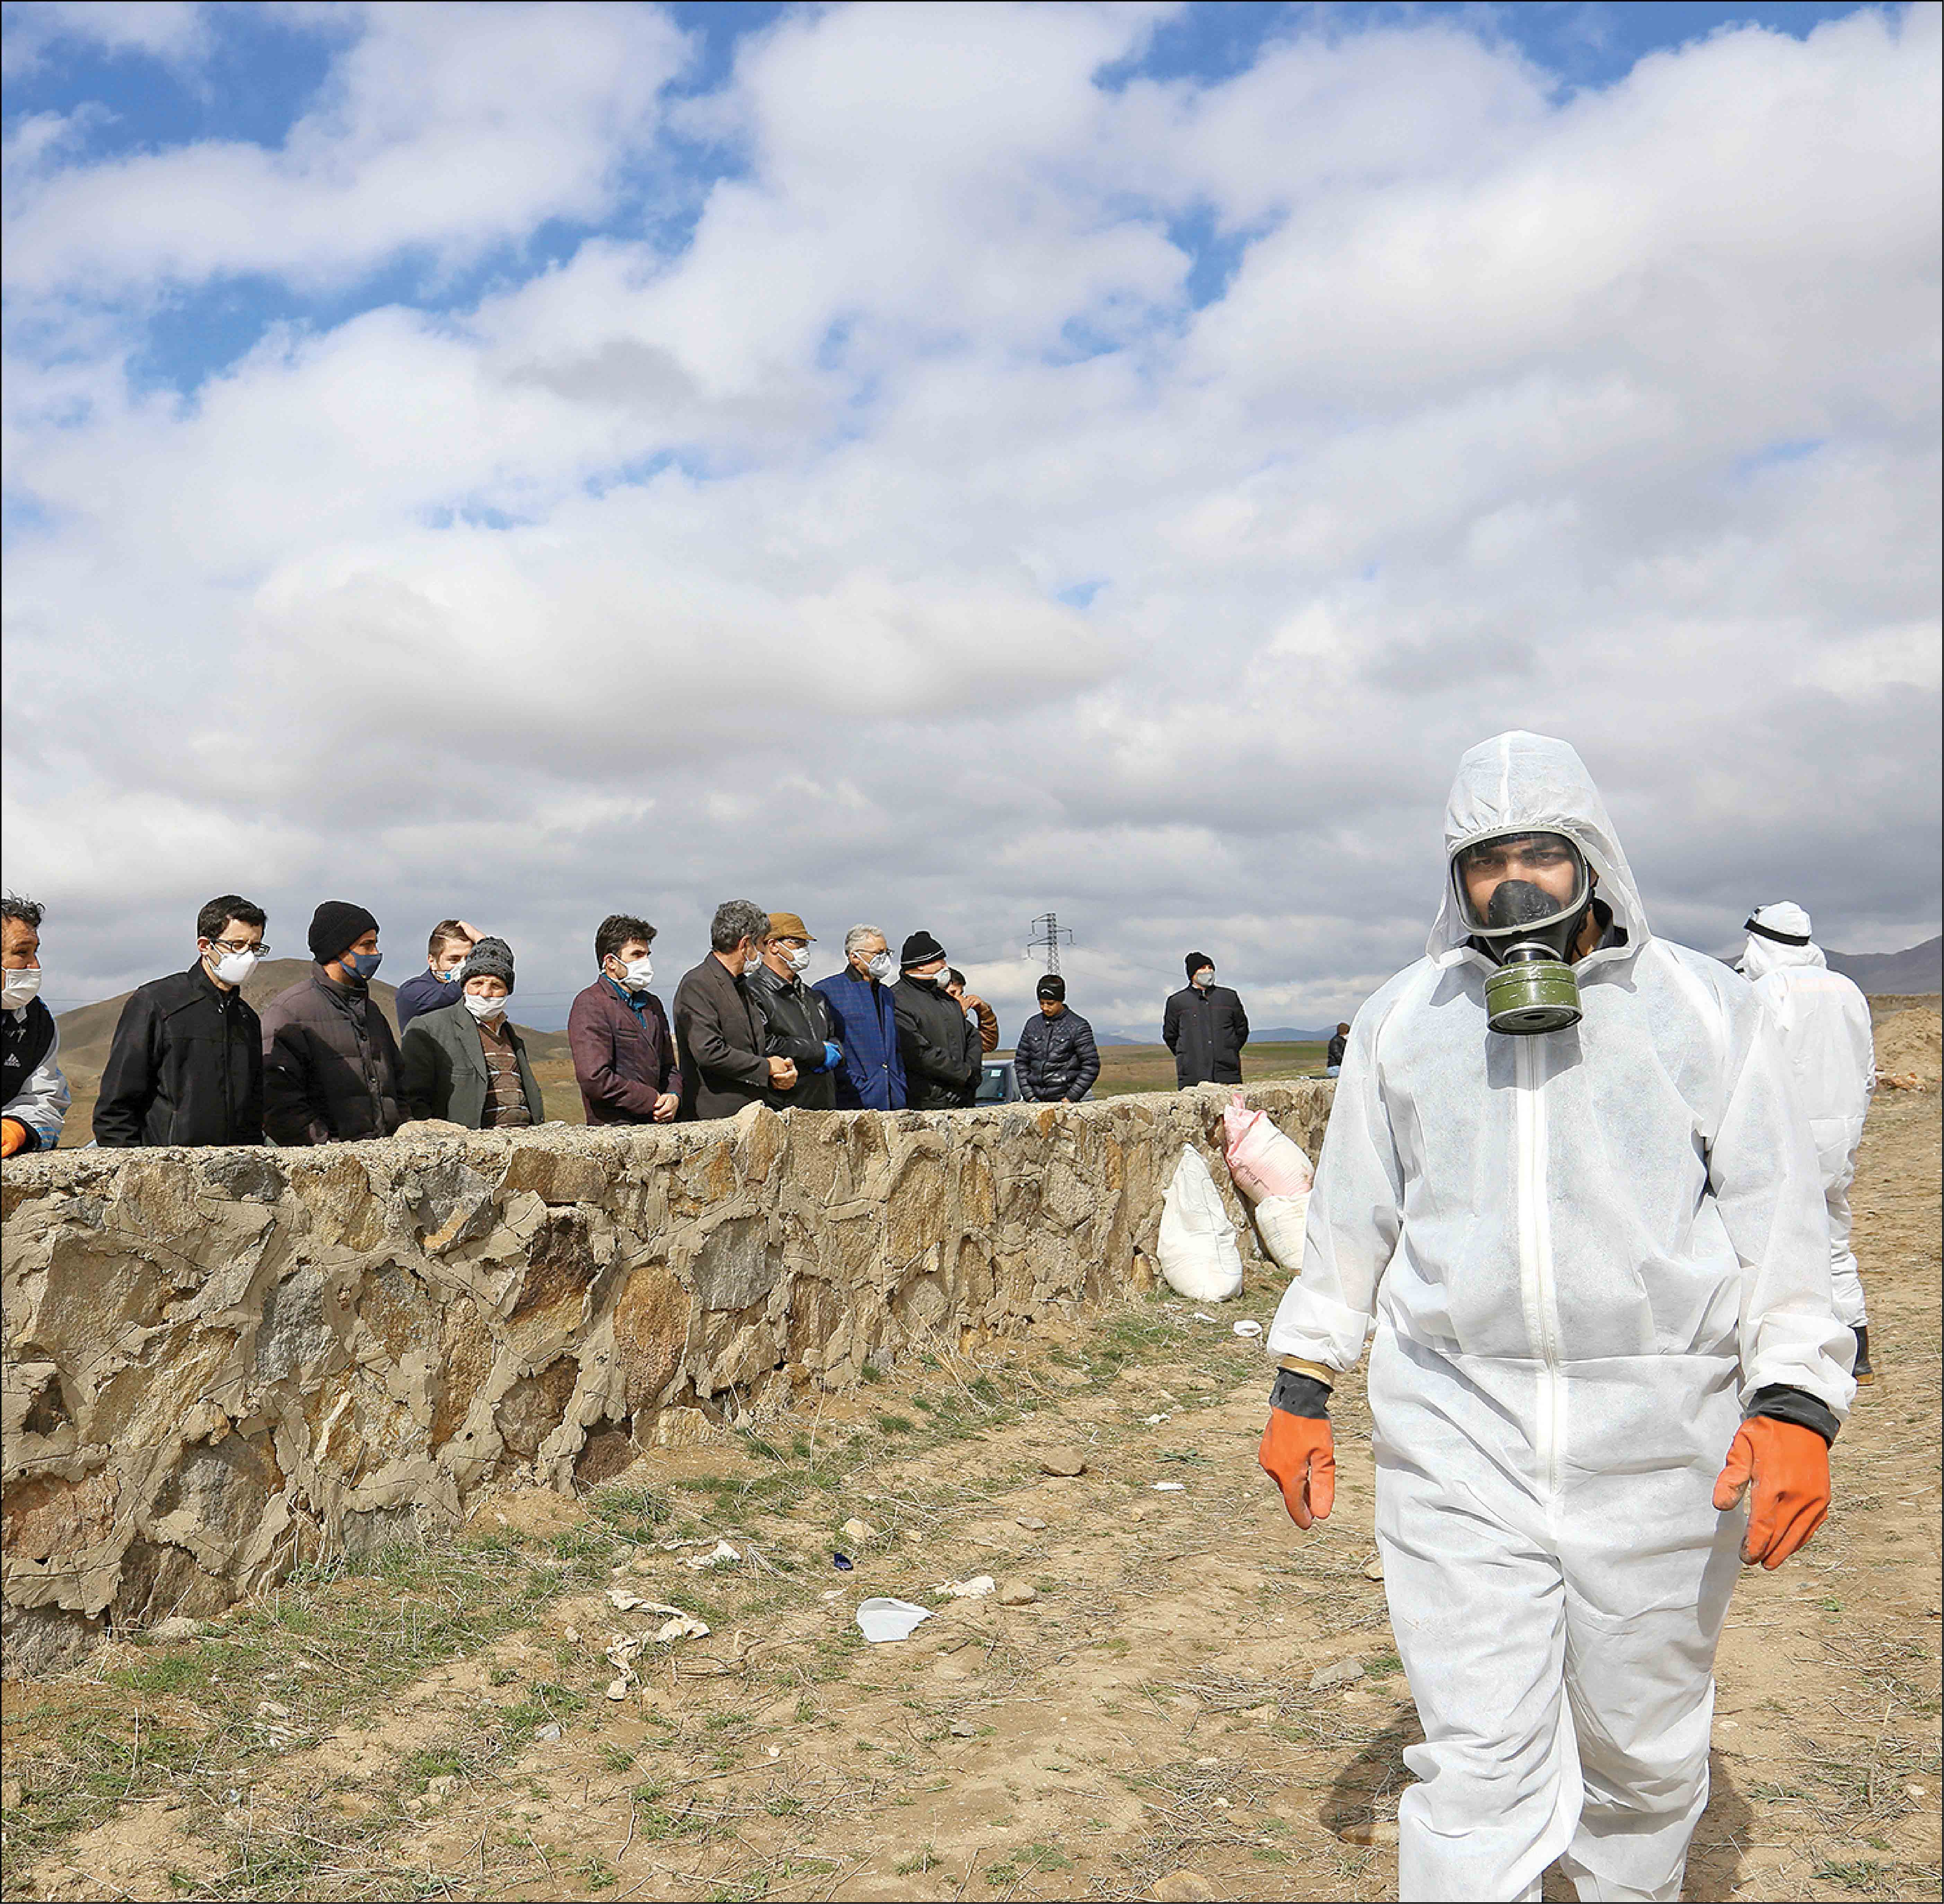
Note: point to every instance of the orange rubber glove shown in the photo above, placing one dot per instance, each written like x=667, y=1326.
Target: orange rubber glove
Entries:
x=1790, y=1469
x=1298, y=1456
x=13, y=1135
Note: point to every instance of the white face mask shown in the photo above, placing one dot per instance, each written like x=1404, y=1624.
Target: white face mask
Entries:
x=881, y=968
x=483, y=1008
x=799, y=960
x=23, y=987
x=1204, y=979
x=232, y=968
x=752, y=964
x=636, y=976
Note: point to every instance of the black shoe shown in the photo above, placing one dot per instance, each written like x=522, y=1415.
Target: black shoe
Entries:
x=1864, y=1374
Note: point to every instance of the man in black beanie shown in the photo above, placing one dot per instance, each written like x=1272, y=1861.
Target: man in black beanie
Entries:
x=1205, y=1027
x=330, y=1063
x=939, y=1045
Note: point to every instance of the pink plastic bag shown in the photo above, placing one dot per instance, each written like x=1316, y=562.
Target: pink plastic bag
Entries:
x=1263, y=1162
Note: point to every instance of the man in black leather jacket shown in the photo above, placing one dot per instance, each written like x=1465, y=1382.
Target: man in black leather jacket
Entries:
x=796, y=1021
x=1056, y=1063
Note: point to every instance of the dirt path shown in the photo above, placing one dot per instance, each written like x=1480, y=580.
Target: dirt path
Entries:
x=437, y=1723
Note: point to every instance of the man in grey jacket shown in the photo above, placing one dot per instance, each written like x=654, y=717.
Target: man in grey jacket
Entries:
x=719, y=1032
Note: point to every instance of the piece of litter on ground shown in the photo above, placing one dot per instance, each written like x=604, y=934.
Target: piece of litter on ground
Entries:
x=975, y=1588
x=1200, y=1317
x=1248, y=1328
x=860, y=1534
x=1154, y=1421
x=1345, y=1672
x=831, y=1593
x=1171, y=1488
x=1063, y=1462
x=571, y=1635
x=1373, y=1569
x=721, y=1555
x=960, y=1729
x=1031, y=1522
x=548, y=1734
x=880, y=1620
x=617, y=1689
x=843, y=1563
x=775, y=1752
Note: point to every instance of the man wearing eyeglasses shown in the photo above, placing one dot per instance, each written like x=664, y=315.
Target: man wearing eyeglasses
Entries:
x=186, y=1065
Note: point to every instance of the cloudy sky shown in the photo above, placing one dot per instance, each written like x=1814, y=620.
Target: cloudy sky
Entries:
x=930, y=465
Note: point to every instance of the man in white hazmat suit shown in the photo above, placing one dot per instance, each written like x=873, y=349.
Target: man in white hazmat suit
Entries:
x=1566, y=1180
x=1823, y=1020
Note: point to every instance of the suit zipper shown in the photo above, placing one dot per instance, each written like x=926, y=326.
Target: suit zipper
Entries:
x=1536, y=1286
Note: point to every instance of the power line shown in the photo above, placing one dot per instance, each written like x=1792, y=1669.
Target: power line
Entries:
x=1050, y=932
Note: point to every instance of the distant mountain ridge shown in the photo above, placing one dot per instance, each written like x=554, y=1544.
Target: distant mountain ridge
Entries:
x=1916, y=969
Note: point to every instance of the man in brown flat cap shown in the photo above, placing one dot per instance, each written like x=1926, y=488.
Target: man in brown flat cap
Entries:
x=796, y=1021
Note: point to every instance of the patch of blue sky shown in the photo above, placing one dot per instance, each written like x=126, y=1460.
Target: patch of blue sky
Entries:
x=194, y=332
x=259, y=71
x=1584, y=42
x=637, y=471
x=22, y=515
x=1776, y=456
x=1080, y=595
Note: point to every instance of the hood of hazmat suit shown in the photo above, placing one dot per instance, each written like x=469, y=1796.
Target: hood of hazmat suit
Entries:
x=1581, y=1253
x=1823, y=1021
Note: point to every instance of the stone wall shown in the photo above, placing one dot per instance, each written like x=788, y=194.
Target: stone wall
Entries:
x=220, y=1363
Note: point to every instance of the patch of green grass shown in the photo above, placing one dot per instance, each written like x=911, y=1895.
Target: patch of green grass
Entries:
x=919, y=1863
x=616, y=1758
x=1384, y=1666
x=896, y=1424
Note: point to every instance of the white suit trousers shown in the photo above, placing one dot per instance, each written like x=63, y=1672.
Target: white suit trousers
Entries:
x=1558, y=1578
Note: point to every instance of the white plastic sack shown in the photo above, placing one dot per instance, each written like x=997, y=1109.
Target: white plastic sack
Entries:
x=1198, y=1256
x=1263, y=1162
x=1281, y=1221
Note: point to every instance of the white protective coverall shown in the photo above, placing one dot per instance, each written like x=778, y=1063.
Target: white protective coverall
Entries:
x=1824, y=1022
x=1582, y=1253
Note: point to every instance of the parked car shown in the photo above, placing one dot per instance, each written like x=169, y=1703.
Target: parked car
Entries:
x=998, y=1083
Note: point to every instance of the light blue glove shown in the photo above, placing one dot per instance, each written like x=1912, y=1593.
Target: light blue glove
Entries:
x=833, y=1055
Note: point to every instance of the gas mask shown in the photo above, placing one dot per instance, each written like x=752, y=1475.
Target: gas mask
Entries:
x=1526, y=925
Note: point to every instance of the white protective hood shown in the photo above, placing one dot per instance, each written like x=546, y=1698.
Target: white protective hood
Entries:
x=1520, y=782
x=1761, y=956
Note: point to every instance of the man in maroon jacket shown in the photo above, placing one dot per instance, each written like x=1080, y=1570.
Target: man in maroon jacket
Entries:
x=624, y=1056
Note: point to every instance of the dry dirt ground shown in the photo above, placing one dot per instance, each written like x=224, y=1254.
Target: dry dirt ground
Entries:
x=435, y=1721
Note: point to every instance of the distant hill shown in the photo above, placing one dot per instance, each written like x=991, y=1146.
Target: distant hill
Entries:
x=87, y=1032
x=1917, y=969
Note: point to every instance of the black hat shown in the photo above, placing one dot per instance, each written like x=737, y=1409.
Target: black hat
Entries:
x=335, y=927
x=920, y=949
x=1052, y=986
x=1195, y=961
x=491, y=958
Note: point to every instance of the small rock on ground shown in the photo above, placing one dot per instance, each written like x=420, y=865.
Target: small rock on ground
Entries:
x=176, y=1627
x=1016, y=1593
x=1383, y=1832
x=1031, y=1522
x=860, y=1534
x=1182, y=1887
x=1066, y=1462
x=1345, y=1672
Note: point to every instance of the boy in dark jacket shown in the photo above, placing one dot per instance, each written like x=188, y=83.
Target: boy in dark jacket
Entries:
x=623, y=1049
x=186, y=1063
x=938, y=1043
x=1057, y=1062
x=34, y=1096
x=330, y=1064
x=1205, y=1027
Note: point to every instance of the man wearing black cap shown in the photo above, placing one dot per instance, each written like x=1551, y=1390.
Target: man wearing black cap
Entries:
x=939, y=1045
x=330, y=1064
x=1057, y=1061
x=1205, y=1027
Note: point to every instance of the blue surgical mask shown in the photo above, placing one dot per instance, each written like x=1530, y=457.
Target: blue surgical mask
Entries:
x=361, y=965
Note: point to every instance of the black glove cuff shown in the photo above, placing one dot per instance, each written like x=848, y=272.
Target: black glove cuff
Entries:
x=1300, y=1395
x=1796, y=1405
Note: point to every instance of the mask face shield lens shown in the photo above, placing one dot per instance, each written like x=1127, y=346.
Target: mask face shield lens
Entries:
x=1517, y=884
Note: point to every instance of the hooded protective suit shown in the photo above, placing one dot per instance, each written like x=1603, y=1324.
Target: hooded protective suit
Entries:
x=1581, y=1253
x=1823, y=1021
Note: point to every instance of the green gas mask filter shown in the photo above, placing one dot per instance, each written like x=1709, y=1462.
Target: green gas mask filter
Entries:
x=1523, y=895
x=1533, y=990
